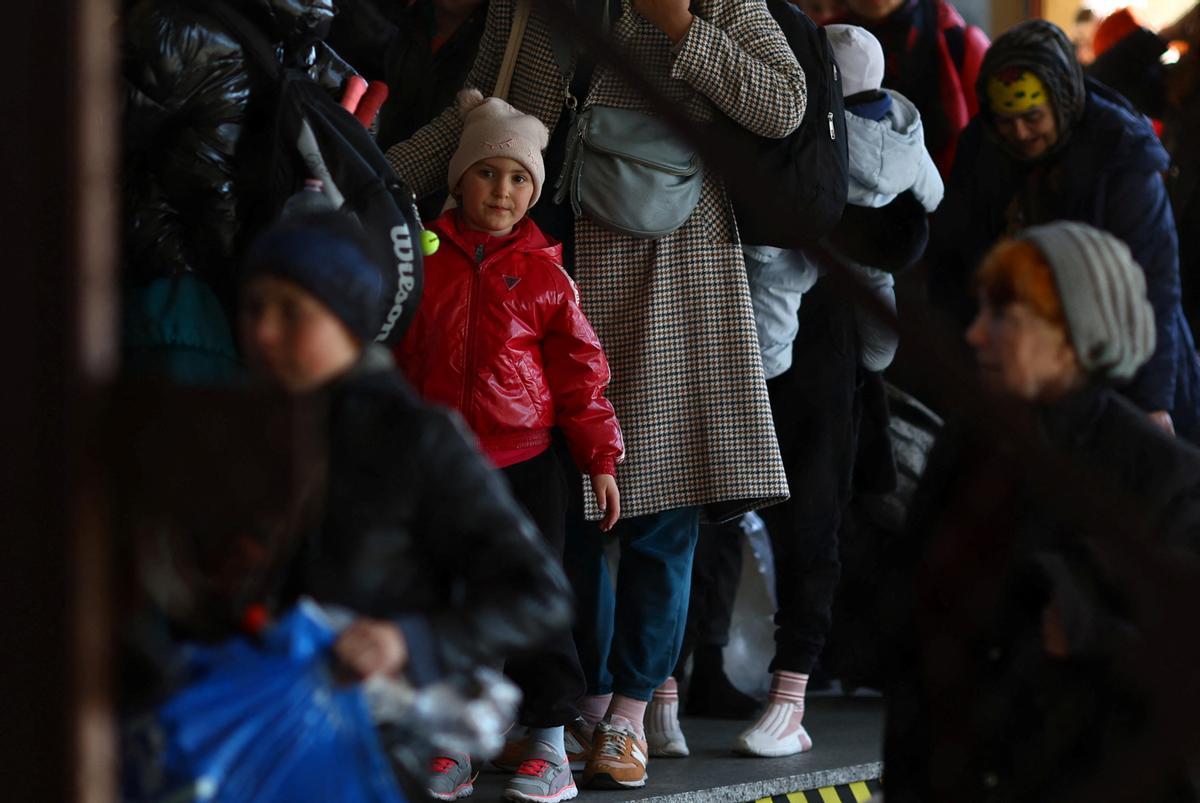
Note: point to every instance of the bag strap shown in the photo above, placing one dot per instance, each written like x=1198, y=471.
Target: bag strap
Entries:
x=515, y=35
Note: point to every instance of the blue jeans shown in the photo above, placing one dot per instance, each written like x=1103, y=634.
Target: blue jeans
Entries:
x=629, y=637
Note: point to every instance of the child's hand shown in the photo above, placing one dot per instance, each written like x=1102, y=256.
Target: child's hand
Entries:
x=608, y=498
x=371, y=647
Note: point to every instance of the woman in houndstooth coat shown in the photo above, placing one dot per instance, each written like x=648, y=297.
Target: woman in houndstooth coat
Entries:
x=675, y=320
x=674, y=315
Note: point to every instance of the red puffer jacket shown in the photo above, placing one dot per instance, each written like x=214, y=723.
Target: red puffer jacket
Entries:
x=500, y=337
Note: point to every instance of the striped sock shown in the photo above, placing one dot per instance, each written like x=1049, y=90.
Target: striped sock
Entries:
x=663, y=734
x=788, y=687
x=780, y=730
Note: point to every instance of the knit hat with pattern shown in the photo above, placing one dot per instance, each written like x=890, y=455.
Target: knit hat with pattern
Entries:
x=491, y=128
x=1039, y=47
x=1103, y=294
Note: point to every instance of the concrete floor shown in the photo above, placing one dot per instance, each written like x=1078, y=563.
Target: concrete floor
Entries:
x=846, y=734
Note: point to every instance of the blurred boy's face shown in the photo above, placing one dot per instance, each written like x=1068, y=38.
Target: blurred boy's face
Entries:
x=291, y=338
x=1021, y=353
x=494, y=194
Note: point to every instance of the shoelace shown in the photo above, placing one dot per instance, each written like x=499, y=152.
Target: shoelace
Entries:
x=441, y=765
x=533, y=766
x=612, y=743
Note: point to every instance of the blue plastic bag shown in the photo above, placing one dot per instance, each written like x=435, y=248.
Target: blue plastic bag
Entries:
x=261, y=722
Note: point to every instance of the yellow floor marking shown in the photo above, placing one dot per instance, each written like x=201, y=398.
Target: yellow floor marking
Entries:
x=797, y=797
x=829, y=795
x=860, y=791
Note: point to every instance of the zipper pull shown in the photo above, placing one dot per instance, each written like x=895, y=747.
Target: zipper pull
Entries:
x=832, y=132
x=835, y=73
x=479, y=254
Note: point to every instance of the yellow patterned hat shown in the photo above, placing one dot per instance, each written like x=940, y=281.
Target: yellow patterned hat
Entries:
x=1014, y=90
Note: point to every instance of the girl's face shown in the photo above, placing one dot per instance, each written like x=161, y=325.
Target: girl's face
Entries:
x=494, y=194
x=1022, y=354
x=291, y=338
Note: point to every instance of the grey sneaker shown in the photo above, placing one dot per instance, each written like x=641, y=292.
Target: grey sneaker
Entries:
x=450, y=777
x=543, y=777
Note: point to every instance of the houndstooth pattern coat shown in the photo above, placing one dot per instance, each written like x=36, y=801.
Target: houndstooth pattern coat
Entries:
x=674, y=315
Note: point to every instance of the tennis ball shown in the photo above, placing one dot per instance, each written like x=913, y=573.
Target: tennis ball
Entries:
x=429, y=242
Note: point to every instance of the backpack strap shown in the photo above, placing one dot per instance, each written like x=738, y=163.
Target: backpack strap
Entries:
x=956, y=43
x=253, y=41
x=515, y=35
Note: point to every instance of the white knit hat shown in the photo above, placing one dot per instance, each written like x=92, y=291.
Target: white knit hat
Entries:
x=493, y=128
x=859, y=56
x=1103, y=294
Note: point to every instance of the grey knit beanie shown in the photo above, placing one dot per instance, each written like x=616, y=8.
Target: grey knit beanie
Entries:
x=1103, y=293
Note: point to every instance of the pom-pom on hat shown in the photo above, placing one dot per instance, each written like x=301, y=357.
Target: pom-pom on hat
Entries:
x=1103, y=295
x=859, y=56
x=491, y=128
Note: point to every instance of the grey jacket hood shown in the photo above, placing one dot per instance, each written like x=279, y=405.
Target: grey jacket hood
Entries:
x=888, y=157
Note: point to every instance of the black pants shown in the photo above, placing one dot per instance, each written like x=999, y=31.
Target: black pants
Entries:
x=716, y=571
x=813, y=407
x=550, y=677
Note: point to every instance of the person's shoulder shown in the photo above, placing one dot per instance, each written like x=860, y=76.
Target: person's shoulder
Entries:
x=948, y=16
x=179, y=32
x=1117, y=136
x=1144, y=454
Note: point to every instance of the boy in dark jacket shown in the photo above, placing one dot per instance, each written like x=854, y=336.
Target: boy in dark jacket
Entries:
x=195, y=144
x=500, y=336
x=418, y=536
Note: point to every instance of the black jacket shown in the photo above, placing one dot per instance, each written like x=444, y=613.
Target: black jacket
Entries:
x=1109, y=175
x=191, y=131
x=977, y=709
x=419, y=529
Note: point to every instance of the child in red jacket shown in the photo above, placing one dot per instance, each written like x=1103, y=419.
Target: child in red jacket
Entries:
x=500, y=337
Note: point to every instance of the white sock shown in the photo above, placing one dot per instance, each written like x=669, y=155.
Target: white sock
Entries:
x=551, y=737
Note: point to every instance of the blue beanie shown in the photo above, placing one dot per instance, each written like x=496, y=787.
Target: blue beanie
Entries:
x=329, y=256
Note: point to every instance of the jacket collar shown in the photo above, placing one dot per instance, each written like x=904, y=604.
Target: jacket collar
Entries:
x=1070, y=421
x=525, y=238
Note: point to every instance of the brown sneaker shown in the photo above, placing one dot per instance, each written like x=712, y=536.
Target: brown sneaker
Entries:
x=578, y=741
x=618, y=759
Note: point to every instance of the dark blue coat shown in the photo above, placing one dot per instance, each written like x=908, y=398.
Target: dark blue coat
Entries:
x=1107, y=174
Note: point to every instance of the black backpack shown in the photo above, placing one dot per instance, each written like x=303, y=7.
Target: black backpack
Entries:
x=796, y=190
x=309, y=135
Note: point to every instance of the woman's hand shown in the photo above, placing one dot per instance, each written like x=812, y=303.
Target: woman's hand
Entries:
x=371, y=647
x=672, y=17
x=608, y=498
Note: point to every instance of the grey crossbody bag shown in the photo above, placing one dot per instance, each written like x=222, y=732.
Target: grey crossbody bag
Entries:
x=626, y=170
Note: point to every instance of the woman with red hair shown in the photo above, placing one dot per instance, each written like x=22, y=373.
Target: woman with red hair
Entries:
x=1007, y=631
